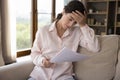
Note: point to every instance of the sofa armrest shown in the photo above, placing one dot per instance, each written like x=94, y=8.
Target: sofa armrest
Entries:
x=16, y=71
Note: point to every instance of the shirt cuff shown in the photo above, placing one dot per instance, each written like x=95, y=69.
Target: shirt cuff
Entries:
x=41, y=60
x=38, y=60
x=85, y=29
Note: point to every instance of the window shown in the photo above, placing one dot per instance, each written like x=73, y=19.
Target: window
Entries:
x=44, y=12
x=23, y=24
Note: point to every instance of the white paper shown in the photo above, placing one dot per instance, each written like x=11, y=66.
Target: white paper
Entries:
x=67, y=55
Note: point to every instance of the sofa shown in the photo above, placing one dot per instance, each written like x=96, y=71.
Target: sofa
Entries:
x=103, y=65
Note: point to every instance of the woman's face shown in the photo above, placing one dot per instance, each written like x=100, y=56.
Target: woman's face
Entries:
x=67, y=20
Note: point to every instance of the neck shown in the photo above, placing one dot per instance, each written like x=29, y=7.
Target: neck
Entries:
x=60, y=29
x=59, y=26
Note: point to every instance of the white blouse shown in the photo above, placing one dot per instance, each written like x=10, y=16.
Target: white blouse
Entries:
x=48, y=43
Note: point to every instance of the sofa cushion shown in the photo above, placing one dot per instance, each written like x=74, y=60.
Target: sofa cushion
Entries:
x=117, y=75
x=101, y=65
x=16, y=71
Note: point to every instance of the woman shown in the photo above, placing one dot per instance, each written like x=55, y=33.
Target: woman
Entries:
x=61, y=33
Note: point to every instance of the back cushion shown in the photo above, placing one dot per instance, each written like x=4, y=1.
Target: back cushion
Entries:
x=101, y=65
x=117, y=75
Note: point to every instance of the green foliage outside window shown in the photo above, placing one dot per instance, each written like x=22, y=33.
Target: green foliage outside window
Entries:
x=23, y=34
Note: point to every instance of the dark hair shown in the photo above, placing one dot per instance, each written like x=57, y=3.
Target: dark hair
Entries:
x=73, y=6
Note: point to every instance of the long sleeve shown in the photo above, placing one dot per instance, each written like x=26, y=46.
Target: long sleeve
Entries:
x=36, y=53
x=88, y=39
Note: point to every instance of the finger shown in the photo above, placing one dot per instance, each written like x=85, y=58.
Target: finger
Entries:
x=45, y=63
x=79, y=13
x=76, y=14
x=82, y=16
x=49, y=63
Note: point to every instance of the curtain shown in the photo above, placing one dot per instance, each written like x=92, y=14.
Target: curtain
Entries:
x=8, y=48
x=1, y=56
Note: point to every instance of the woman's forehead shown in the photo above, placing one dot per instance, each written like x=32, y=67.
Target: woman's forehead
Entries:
x=69, y=15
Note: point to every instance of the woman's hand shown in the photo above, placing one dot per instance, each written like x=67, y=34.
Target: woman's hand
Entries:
x=46, y=62
x=79, y=18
